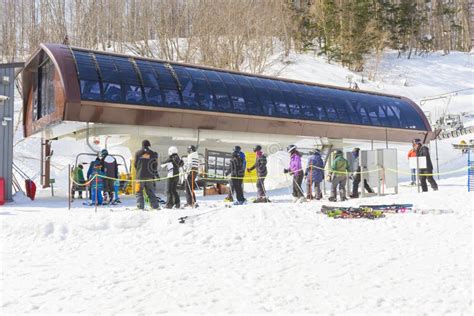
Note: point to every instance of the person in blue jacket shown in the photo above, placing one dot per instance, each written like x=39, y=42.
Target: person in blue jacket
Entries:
x=97, y=185
x=314, y=175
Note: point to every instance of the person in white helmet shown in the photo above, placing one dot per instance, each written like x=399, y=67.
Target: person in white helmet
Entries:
x=173, y=163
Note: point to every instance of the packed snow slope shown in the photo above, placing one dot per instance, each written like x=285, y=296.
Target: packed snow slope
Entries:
x=257, y=258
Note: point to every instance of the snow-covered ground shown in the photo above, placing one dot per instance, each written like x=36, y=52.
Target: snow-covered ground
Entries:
x=279, y=257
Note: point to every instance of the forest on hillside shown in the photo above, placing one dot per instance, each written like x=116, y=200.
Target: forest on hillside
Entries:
x=238, y=34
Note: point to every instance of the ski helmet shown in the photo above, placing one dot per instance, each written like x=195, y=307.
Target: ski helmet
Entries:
x=257, y=148
x=236, y=153
x=104, y=152
x=191, y=149
x=237, y=148
x=356, y=149
x=146, y=143
x=291, y=148
x=172, y=150
x=338, y=152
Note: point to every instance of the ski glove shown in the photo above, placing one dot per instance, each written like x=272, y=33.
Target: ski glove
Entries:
x=286, y=170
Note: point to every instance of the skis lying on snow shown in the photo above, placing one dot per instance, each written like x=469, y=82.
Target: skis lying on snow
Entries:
x=351, y=212
x=184, y=219
x=376, y=211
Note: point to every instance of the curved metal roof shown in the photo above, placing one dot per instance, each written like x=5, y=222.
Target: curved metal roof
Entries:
x=91, y=77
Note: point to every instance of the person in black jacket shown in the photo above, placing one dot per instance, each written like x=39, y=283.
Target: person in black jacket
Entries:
x=261, y=167
x=145, y=164
x=425, y=173
x=236, y=171
x=173, y=163
x=110, y=168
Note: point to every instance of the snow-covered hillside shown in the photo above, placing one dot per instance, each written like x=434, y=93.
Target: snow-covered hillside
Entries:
x=273, y=258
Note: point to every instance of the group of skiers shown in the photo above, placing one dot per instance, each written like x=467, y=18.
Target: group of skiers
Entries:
x=104, y=172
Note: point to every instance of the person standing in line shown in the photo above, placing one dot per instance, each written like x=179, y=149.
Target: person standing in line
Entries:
x=314, y=175
x=173, y=164
x=146, y=166
x=411, y=154
x=97, y=184
x=425, y=173
x=296, y=170
x=338, y=176
x=78, y=184
x=232, y=191
x=192, y=168
x=261, y=168
x=110, y=168
x=236, y=171
x=356, y=175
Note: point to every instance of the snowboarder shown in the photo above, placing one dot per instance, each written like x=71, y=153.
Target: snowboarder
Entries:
x=425, y=173
x=356, y=175
x=172, y=164
x=236, y=171
x=78, y=184
x=338, y=176
x=97, y=184
x=261, y=168
x=296, y=170
x=192, y=168
x=314, y=175
x=146, y=163
x=111, y=172
x=412, y=153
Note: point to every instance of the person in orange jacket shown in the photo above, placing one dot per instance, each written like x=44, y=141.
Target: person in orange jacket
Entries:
x=412, y=153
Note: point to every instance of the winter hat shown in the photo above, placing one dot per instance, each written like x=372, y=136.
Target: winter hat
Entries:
x=146, y=143
x=257, y=148
x=81, y=166
x=237, y=148
x=417, y=141
x=356, y=149
x=191, y=148
x=104, y=152
x=236, y=153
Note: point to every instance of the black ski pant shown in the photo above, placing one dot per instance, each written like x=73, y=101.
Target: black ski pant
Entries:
x=261, y=192
x=297, y=182
x=237, y=185
x=431, y=180
x=149, y=188
x=172, y=196
x=189, y=188
x=355, y=186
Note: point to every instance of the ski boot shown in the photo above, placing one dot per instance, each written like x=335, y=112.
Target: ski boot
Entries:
x=332, y=199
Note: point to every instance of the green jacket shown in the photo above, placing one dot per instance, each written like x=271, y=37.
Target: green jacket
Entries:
x=78, y=175
x=339, y=165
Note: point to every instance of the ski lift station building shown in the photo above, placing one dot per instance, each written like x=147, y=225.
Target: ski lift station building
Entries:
x=75, y=92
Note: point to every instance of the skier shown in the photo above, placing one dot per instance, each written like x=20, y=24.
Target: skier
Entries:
x=356, y=175
x=261, y=167
x=78, y=184
x=314, y=175
x=412, y=153
x=296, y=170
x=146, y=163
x=192, y=168
x=425, y=173
x=90, y=171
x=236, y=171
x=229, y=197
x=111, y=172
x=173, y=163
x=97, y=184
x=338, y=176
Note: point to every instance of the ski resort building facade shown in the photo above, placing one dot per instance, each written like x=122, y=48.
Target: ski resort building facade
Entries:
x=67, y=90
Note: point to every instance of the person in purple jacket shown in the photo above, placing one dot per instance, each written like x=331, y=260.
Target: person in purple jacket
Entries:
x=296, y=170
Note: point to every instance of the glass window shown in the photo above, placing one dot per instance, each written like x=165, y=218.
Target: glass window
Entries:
x=222, y=99
x=203, y=93
x=237, y=98
x=393, y=115
x=290, y=98
x=119, y=79
x=281, y=109
x=354, y=115
x=88, y=77
x=250, y=95
x=304, y=99
x=168, y=85
x=151, y=85
x=188, y=91
x=263, y=95
x=46, y=93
